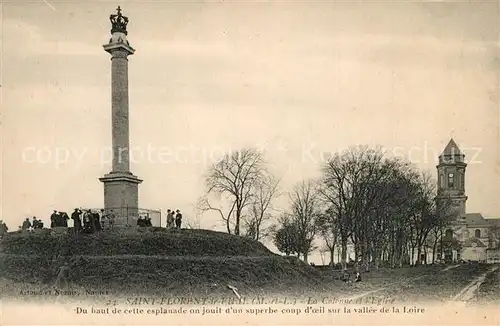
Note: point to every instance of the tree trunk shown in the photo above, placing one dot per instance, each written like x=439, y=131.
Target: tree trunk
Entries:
x=237, y=225
x=356, y=251
x=343, y=257
x=401, y=251
x=375, y=258
x=441, y=245
x=434, y=250
x=332, y=255
x=419, y=253
x=412, y=254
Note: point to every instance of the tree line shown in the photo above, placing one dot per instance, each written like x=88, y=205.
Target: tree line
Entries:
x=382, y=207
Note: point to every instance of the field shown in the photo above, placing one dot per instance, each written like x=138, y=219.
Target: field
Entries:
x=440, y=285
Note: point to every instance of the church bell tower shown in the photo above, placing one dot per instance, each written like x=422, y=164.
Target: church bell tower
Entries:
x=451, y=179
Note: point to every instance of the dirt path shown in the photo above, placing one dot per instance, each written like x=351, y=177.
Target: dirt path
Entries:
x=362, y=295
x=450, y=267
x=470, y=291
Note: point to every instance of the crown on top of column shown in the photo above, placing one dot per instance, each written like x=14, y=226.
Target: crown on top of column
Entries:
x=118, y=22
x=118, y=43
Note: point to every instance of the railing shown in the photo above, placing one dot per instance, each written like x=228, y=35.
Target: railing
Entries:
x=128, y=216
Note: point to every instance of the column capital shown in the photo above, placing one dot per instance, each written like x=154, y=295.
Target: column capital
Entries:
x=119, y=54
x=121, y=50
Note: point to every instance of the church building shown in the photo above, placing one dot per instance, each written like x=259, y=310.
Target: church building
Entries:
x=474, y=234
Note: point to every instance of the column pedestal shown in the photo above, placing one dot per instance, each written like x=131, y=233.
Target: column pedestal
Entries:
x=121, y=197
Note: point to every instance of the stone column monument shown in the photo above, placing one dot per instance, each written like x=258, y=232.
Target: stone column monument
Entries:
x=120, y=185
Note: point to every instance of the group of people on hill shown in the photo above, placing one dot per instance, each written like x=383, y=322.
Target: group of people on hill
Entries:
x=174, y=220
x=59, y=219
x=83, y=221
x=174, y=217
x=27, y=225
x=88, y=221
x=144, y=221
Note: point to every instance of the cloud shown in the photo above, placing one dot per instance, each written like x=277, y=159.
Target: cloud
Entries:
x=396, y=50
x=329, y=48
x=25, y=39
x=183, y=48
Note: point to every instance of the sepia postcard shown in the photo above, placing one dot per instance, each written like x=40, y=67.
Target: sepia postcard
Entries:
x=250, y=162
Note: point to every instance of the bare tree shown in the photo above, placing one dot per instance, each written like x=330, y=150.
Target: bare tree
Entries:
x=383, y=206
x=348, y=188
x=204, y=205
x=368, y=200
x=425, y=216
x=393, y=221
x=235, y=177
x=261, y=208
x=304, y=211
x=328, y=228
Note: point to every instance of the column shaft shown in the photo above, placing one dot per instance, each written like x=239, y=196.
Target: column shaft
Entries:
x=120, y=112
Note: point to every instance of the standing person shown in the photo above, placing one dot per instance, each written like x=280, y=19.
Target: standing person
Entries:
x=170, y=219
x=3, y=228
x=92, y=221
x=140, y=221
x=64, y=219
x=35, y=223
x=87, y=221
x=58, y=220
x=104, y=220
x=26, y=224
x=147, y=221
x=53, y=219
x=178, y=219
x=77, y=221
x=111, y=219
x=97, y=221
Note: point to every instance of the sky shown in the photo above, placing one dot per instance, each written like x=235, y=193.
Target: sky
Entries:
x=298, y=79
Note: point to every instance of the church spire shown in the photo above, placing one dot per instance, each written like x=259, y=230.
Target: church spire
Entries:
x=452, y=153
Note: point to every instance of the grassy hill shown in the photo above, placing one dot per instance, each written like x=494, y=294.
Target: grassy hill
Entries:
x=155, y=261
x=151, y=242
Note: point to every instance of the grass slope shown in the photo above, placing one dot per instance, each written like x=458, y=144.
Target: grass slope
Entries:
x=154, y=241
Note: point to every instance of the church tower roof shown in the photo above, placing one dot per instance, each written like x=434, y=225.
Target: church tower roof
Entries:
x=451, y=149
x=452, y=153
